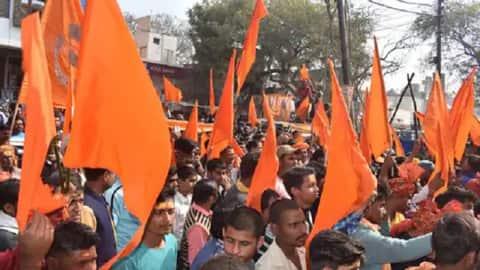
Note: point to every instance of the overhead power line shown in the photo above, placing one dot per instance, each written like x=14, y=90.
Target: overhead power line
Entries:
x=398, y=9
x=416, y=4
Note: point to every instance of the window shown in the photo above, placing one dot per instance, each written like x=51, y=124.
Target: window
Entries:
x=156, y=41
x=4, y=9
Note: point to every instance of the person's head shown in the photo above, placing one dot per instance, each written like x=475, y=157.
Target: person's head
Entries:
x=288, y=223
x=401, y=192
x=302, y=152
x=185, y=151
x=269, y=196
x=216, y=170
x=99, y=177
x=376, y=211
x=286, y=157
x=73, y=248
x=243, y=233
x=254, y=146
x=162, y=216
x=320, y=172
x=247, y=167
x=75, y=198
x=471, y=163
x=228, y=155
x=205, y=193
x=334, y=250
x=456, y=241
x=19, y=126
x=319, y=156
x=301, y=185
x=225, y=262
x=460, y=194
x=187, y=177
x=58, y=122
x=172, y=179
x=9, y=196
x=8, y=158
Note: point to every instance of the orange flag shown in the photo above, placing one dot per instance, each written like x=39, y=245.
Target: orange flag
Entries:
x=378, y=134
x=265, y=174
x=346, y=188
x=252, y=113
x=40, y=125
x=364, y=145
x=172, y=93
x=212, y=95
x=461, y=115
x=237, y=148
x=109, y=68
x=436, y=115
x=203, y=140
x=475, y=131
x=304, y=74
x=222, y=134
x=302, y=110
x=321, y=124
x=249, y=52
x=191, y=131
x=62, y=22
x=398, y=144
x=442, y=160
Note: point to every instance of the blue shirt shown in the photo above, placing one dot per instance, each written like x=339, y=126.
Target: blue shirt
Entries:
x=106, y=245
x=213, y=247
x=145, y=258
x=125, y=223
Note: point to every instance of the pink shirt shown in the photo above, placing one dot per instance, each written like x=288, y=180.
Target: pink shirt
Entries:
x=197, y=235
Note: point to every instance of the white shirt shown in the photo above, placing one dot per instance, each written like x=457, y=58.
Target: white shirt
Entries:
x=182, y=205
x=274, y=258
x=280, y=189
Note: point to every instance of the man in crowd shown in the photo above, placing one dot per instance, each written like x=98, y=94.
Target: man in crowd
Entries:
x=287, y=159
x=217, y=171
x=287, y=251
x=302, y=187
x=229, y=159
x=8, y=210
x=187, y=177
x=333, y=250
x=98, y=181
x=225, y=262
x=197, y=223
x=158, y=249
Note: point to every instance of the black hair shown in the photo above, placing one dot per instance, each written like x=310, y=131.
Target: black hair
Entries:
x=166, y=194
x=248, y=165
x=476, y=208
x=72, y=236
x=93, y=174
x=9, y=190
x=332, y=249
x=279, y=207
x=454, y=236
x=294, y=177
x=203, y=190
x=267, y=195
x=245, y=218
x=225, y=262
x=185, y=172
x=214, y=164
x=225, y=150
x=455, y=193
x=319, y=155
x=319, y=168
x=252, y=145
x=185, y=145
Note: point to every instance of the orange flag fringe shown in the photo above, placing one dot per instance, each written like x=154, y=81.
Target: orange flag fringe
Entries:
x=321, y=124
x=265, y=173
x=212, y=95
x=109, y=68
x=346, y=188
x=304, y=74
x=222, y=134
x=252, y=113
x=364, y=145
x=303, y=108
x=378, y=134
x=461, y=115
x=172, y=93
x=475, y=131
x=40, y=125
x=249, y=52
x=191, y=131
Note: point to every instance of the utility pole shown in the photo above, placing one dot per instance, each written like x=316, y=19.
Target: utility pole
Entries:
x=343, y=43
x=438, y=59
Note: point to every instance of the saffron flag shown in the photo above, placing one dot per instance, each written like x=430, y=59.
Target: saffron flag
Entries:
x=364, y=145
x=237, y=149
x=203, y=141
x=109, y=69
x=212, y=95
x=252, y=113
x=172, y=93
x=461, y=115
x=265, y=174
x=40, y=125
x=249, y=52
x=304, y=74
x=222, y=133
x=398, y=144
x=378, y=132
x=303, y=109
x=321, y=124
x=348, y=184
x=191, y=131
x=475, y=131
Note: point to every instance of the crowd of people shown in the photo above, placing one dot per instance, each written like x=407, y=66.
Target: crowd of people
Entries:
x=200, y=220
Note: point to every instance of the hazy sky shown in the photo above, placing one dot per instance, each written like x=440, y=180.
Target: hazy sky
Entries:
x=390, y=25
